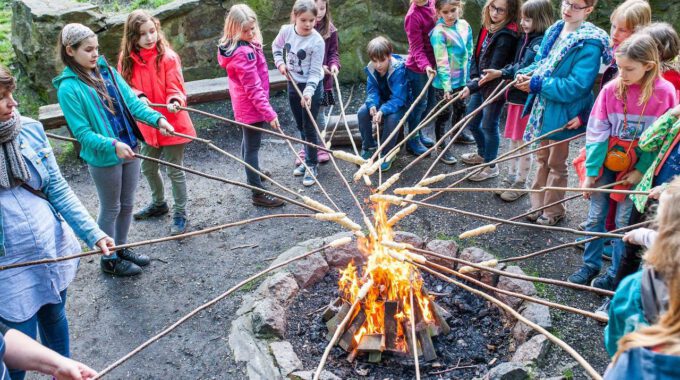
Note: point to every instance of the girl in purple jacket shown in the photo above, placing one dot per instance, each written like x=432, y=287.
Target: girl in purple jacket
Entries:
x=240, y=54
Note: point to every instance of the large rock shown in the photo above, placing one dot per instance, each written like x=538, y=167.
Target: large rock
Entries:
x=448, y=248
x=309, y=375
x=269, y=319
x=409, y=238
x=478, y=255
x=246, y=348
x=515, y=285
x=281, y=287
x=534, y=351
x=539, y=314
x=285, y=357
x=339, y=257
x=309, y=270
x=508, y=371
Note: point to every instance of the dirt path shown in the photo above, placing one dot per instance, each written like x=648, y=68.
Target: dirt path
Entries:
x=110, y=316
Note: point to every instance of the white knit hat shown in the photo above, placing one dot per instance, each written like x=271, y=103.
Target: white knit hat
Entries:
x=74, y=33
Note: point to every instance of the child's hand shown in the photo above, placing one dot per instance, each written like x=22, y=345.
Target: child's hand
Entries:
x=165, y=127
x=465, y=93
x=448, y=95
x=522, y=83
x=306, y=101
x=326, y=70
x=68, y=369
x=676, y=111
x=633, y=178
x=489, y=75
x=145, y=100
x=335, y=70
x=104, y=244
x=640, y=236
x=283, y=70
x=173, y=106
x=275, y=124
x=430, y=71
x=372, y=111
x=655, y=193
x=588, y=183
x=377, y=118
x=574, y=123
x=123, y=151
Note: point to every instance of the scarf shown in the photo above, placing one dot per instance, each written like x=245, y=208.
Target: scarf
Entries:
x=554, y=53
x=12, y=165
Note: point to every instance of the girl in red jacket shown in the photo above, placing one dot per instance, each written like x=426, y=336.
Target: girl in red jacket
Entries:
x=154, y=72
x=240, y=54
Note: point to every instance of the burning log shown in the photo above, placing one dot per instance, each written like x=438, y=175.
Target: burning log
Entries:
x=332, y=309
x=347, y=342
x=390, y=323
x=374, y=345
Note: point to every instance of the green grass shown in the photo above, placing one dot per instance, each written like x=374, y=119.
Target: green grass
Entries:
x=568, y=373
x=121, y=6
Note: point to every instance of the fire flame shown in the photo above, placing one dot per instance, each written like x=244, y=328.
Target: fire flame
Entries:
x=393, y=280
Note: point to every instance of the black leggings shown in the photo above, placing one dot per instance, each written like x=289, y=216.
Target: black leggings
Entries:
x=632, y=256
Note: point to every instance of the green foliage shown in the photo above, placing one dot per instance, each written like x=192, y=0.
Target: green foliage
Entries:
x=6, y=52
x=568, y=374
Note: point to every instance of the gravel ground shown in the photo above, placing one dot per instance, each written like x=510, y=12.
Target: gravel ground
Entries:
x=110, y=316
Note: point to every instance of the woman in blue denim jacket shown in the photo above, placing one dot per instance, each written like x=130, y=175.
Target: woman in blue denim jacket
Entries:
x=39, y=214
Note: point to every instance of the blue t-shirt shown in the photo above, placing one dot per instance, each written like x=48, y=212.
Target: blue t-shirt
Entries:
x=4, y=373
x=670, y=168
x=119, y=121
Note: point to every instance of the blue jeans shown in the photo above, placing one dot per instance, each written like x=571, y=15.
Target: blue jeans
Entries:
x=303, y=122
x=484, y=126
x=366, y=128
x=416, y=83
x=52, y=324
x=597, y=214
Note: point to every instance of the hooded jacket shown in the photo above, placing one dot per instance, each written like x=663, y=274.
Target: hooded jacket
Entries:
x=396, y=81
x=419, y=21
x=161, y=83
x=499, y=53
x=331, y=56
x=86, y=117
x=248, y=82
x=643, y=363
x=525, y=55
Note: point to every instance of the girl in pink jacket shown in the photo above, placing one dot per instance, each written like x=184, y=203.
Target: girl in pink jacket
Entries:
x=154, y=72
x=240, y=54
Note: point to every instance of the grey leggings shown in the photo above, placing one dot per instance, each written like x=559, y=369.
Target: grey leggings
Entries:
x=116, y=187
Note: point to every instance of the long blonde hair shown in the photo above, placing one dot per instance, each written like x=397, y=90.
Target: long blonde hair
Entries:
x=634, y=14
x=664, y=257
x=238, y=17
x=639, y=48
x=130, y=39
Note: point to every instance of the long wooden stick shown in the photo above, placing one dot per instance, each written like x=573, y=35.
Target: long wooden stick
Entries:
x=589, y=369
x=572, y=244
x=341, y=327
x=152, y=241
x=525, y=190
x=414, y=339
x=342, y=114
x=404, y=118
x=337, y=122
x=210, y=304
x=506, y=221
x=514, y=275
x=202, y=174
x=593, y=190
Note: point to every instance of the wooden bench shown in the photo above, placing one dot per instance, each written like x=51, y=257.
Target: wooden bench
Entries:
x=198, y=91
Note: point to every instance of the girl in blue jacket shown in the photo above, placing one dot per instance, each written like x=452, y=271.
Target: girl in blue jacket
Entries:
x=560, y=83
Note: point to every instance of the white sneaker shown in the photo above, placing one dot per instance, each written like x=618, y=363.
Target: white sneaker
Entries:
x=485, y=174
x=472, y=158
x=299, y=171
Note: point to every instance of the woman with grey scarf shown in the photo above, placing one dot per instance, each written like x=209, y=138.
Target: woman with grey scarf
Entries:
x=40, y=217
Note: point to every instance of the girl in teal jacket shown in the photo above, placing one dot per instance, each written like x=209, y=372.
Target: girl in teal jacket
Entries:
x=100, y=108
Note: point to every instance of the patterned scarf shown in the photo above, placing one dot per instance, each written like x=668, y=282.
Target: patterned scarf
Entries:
x=553, y=54
x=13, y=168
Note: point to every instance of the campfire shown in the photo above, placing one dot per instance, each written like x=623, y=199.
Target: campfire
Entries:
x=395, y=314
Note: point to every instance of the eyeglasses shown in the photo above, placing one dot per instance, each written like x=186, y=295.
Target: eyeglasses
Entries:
x=500, y=11
x=567, y=5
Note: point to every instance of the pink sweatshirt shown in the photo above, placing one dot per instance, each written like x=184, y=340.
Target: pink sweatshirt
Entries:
x=248, y=82
x=418, y=23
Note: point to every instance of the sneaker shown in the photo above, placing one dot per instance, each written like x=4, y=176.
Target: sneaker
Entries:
x=484, y=174
x=415, y=146
x=465, y=138
x=266, y=200
x=603, y=311
x=119, y=267
x=533, y=217
x=448, y=158
x=472, y=158
x=506, y=183
x=582, y=226
x=151, y=211
x=128, y=254
x=606, y=282
x=387, y=165
x=583, y=275
x=310, y=176
x=513, y=195
x=179, y=224
x=549, y=220
x=299, y=171
x=367, y=153
x=425, y=140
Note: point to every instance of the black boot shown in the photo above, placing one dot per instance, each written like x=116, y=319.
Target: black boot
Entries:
x=129, y=255
x=266, y=200
x=152, y=210
x=119, y=267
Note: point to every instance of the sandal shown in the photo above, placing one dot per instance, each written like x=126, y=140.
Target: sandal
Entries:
x=533, y=217
x=549, y=221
